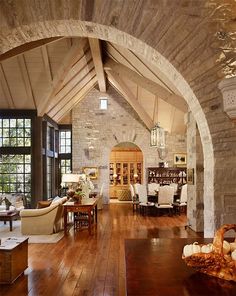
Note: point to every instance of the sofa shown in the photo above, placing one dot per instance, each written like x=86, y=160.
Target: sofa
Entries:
x=46, y=220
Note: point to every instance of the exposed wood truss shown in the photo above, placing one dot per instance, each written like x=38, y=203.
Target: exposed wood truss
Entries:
x=117, y=81
x=148, y=84
x=95, y=47
x=28, y=46
x=74, y=54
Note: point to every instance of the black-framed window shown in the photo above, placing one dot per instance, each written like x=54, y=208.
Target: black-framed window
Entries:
x=65, y=166
x=15, y=132
x=15, y=154
x=64, y=141
x=65, y=150
x=15, y=173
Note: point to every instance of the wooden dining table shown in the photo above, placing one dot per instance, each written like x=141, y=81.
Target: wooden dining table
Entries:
x=155, y=267
x=87, y=205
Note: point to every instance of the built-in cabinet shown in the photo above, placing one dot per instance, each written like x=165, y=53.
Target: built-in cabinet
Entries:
x=126, y=167
x=166, y=176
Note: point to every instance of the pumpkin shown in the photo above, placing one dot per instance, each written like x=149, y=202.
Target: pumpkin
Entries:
x=191, y=249
x=207, y=248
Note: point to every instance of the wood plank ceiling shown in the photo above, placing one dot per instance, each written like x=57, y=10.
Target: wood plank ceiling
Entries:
x=55, y=74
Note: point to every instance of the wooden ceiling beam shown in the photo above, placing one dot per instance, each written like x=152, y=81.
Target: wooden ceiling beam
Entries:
x=95, y=47
x=149, y=85
x=6, y=88
x=118, y=82
x=26, y=78
x=27, y=46
x=83, y=67
x=73, y=55
x=81, y=83
x=46, y=63
x=78, y=97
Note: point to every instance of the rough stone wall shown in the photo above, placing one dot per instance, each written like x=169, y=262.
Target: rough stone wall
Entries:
x=104, y=129
x=195, y=214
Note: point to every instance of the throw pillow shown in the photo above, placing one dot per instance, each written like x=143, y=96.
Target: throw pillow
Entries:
x=56, y=198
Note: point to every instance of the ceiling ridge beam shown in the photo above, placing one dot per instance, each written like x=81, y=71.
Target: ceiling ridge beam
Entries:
x=130, y=98
x=70, y=59
x=78, y=97
x=95, y=47
x=153, y=87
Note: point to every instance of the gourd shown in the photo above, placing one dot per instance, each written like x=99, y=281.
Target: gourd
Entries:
x=232, y=246
x=226, y=247
x=191, y=249
x=207, y=248
x=233, y=255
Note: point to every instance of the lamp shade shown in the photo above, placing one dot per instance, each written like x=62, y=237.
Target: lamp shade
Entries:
x=70, y=178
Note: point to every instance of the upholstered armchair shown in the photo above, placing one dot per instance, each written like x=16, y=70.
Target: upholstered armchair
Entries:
x=43, y=221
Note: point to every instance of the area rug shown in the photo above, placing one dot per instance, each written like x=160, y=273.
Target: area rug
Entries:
x=33, y=239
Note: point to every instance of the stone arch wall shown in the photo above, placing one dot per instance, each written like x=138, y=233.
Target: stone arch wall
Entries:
x=189, y=63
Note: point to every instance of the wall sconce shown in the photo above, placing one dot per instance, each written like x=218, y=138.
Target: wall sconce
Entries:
x=228, y=89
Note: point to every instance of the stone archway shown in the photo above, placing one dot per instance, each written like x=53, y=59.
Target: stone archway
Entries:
x=46, y=29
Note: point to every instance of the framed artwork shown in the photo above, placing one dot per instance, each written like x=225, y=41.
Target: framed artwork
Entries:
x=190, y=176
x=180, y=159
x=91, y=172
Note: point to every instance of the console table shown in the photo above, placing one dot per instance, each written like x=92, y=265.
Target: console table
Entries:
x=13, y=258
x=87, y=205
x=155, y=267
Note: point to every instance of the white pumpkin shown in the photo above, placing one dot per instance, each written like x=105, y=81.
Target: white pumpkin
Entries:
x=226, y=247
x=233, y=255
x=232, y=246
x=191, y=249
x=207, y=248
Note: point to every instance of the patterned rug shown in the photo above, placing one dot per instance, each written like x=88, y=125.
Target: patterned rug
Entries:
x=33, y=239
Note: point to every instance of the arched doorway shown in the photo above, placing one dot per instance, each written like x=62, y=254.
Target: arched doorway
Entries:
x=125, y=168
x=35, y=26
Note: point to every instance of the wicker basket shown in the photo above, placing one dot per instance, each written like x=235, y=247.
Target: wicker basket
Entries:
x=215, y=263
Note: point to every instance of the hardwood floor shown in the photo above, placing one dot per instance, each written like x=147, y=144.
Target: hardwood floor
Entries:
x=80, y=264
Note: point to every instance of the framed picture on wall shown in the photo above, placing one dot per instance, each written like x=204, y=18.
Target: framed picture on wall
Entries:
x=180, y=159
x=91, y=172
x=190, y=176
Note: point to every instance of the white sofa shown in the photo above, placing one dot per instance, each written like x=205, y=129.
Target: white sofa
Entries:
x=43, y=221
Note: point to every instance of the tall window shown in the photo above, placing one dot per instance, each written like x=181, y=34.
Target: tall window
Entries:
x=65, y=143
x=15, y=155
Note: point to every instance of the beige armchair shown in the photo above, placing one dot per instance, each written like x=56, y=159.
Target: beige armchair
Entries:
x=43, y=221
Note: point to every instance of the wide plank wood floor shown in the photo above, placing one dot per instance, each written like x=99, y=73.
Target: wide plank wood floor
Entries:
x=80, y=264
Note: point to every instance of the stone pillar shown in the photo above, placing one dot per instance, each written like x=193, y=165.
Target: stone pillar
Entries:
x=195, y=191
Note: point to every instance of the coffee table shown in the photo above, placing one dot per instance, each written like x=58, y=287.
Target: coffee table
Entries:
x=9, y=216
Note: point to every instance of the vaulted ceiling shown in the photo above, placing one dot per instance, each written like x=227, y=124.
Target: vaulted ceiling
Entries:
x=52, y=75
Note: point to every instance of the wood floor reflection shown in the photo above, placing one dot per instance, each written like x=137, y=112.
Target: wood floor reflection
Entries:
x=80, y=264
